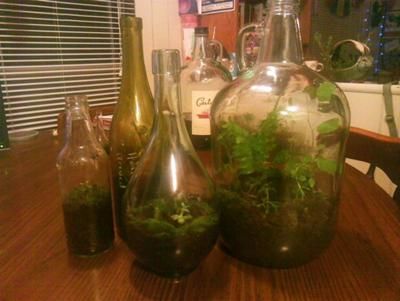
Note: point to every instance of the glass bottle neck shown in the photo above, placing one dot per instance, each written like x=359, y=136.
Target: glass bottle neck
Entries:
x=132, y=51
x=200, y=44
x=282, y=39
x=168, y=122
x=79, y=128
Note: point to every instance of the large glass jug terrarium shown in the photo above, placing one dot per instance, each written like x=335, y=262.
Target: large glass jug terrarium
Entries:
x=278, y=141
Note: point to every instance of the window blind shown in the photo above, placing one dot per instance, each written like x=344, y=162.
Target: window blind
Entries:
x=53, y=48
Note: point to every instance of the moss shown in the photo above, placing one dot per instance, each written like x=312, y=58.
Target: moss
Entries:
x=290, y=236
x=88, y=220
x=166, y=245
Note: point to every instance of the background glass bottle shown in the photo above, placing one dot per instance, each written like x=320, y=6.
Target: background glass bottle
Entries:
x=133, y=114
x=201, y=80
x=169, y=216
x=279, y=134
x=83, y=169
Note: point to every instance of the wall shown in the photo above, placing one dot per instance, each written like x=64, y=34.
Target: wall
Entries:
x=161, y=27
x=355, y=26
x=340, y=28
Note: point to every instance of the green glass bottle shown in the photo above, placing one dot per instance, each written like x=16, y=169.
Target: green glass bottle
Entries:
x=133, y=114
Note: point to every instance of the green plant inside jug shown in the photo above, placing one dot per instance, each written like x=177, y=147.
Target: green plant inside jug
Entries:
x=276, y=201
x=171, y=236
x=88, y=219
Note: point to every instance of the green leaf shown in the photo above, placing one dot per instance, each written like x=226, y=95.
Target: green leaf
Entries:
x=327, y=165
x=329, y=126
x=325, y=91
x=311, y=90
x=155, y=227
x=282, y=156
x=201, y=224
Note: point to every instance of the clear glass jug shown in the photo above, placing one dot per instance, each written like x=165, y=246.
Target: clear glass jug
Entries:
x=202, y=79
x=169, y=215
x=279, y=134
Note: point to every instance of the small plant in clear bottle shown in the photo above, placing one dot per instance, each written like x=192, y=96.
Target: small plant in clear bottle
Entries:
x=169, y=216
x=83, y=169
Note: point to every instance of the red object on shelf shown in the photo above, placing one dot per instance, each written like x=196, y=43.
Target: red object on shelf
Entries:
x=187, y=7
x=204, y=115
x=189, y=21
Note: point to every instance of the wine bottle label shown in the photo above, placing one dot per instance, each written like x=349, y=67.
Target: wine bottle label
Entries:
x=201, y=105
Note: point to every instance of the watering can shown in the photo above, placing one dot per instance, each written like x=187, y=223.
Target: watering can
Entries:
x=350, y=60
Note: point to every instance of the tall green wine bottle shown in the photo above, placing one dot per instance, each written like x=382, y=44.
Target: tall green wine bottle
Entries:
x=133, y=114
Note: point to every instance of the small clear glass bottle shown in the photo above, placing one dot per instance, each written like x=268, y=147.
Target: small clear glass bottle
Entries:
x=279, y=134
x=201, y=80
x=169, y=217
x=83, y=169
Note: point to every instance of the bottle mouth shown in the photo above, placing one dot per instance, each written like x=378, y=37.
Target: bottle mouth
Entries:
x=78, y=101
x=76, y=105
x=283, y=6
x=166, y=61
x=130, y=21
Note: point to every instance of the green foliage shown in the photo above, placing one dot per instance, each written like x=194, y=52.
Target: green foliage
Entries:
x=325, y=91
x=325, y=47
x=301, y=171
x=326, y=165
x=158, y=228
x=328, y=127
x=262, y=190
x=183, y=213
x=250, y=148
x=170, y=218
x=265, y=157
x=200, y=224
x=344, y=55
x=86, y=194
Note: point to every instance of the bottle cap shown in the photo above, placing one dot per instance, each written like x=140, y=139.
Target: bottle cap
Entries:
x=166, y=61
x=201, y=30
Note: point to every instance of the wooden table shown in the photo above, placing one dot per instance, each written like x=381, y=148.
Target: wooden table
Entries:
x=363, y=262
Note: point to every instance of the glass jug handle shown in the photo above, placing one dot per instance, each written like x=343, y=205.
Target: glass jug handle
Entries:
x=215, y=49
x=255, y=28
x=314, y=65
